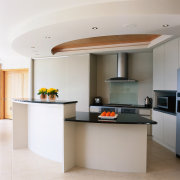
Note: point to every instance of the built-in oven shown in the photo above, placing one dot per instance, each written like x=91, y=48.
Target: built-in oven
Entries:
x=130, y=110
x=178, y=115
x=166, y=102
x=110, y=109
x=178, y=124
x=123, y=110
x=178, y=103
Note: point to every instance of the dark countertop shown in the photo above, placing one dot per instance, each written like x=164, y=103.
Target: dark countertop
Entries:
x=124, y=106
x=45, y=102
x=164, y=111
x=121, y=119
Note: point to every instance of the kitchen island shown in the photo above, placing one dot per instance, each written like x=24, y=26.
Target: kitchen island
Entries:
x=56, y=131
x=117, y=145
x=39, y=126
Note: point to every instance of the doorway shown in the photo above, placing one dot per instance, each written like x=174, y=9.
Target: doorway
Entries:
x=15, y=86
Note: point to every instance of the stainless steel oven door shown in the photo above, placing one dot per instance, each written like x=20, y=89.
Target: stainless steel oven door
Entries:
x=130, y=110
x=111, y=109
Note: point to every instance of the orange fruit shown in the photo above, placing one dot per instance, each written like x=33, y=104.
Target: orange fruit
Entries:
x=108, y=114
x=103, y=113
x=112, y=114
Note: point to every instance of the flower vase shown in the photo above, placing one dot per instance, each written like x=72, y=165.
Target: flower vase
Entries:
x=52, y=97
x=43, y=97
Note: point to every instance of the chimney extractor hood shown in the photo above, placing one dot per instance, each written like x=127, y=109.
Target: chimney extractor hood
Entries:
x=122, y=70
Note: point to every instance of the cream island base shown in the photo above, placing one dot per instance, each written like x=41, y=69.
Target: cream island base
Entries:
x=42, y=128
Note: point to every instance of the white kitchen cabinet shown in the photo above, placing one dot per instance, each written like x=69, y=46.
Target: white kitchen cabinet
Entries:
x=165, y=65
x=147, y=113
x=165, y=131
x=171, y=65
x=158, y=68
x=169, y=131
x=157, y=129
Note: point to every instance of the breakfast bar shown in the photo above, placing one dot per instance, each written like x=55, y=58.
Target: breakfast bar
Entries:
x=114, y=145
x=39, y=126
x=56, y=131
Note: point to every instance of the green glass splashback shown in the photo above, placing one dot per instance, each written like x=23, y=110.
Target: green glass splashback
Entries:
x=124, y=93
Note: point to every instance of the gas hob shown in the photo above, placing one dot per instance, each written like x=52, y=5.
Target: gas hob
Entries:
x=119, y=105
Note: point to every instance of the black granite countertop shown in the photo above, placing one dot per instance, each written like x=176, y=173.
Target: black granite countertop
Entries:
x=121, y=119
x=124, y=106
x=46, y=101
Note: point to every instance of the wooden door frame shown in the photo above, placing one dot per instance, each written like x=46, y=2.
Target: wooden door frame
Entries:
x=2, y=94
x=2, y=89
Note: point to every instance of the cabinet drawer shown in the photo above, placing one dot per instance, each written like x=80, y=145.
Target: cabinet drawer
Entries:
x=165, y=131
x=95, y=109
x=146, y=112
x=157, y=129
x=169, y=133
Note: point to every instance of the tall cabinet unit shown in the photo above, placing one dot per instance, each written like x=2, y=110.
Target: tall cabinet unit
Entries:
x=171, y=65
x=165, y=65
x=158, y=68
x=166, y=61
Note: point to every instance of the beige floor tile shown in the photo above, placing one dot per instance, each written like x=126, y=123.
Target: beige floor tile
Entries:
x=5, y=176
x=5, y=149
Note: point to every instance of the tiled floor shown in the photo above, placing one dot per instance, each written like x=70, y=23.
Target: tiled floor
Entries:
x=24, y=165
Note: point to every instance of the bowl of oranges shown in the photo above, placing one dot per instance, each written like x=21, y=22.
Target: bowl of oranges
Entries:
x=108, y=115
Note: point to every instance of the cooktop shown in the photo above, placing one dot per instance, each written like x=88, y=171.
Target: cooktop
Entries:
x=119, y=105
x=126, y=105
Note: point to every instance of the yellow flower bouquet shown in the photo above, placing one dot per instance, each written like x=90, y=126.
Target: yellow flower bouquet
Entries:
x=52, y=92
x=43, y=93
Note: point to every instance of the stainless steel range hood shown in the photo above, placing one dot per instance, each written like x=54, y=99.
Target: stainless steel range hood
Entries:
x=122, y=70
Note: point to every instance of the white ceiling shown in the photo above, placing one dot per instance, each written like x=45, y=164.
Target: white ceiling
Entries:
x=26, y=23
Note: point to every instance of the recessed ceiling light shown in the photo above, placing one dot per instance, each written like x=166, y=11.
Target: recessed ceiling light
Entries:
x=165, y=25
x=94, y=28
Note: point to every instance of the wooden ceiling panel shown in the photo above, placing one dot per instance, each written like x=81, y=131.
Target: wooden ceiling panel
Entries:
x=103, y=41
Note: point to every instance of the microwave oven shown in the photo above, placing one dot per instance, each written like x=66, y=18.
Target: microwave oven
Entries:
x=167, y=103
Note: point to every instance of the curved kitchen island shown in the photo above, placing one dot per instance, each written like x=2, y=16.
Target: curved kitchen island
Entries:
x=39, y=126
x=55, y=131
x=117, y=145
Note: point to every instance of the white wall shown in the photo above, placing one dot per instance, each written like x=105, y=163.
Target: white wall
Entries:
x=13, y=60
x=141, y=69
x=106, y=68
x=69, y=74
x=93, y=77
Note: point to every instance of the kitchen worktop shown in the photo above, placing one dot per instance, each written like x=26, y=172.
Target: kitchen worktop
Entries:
x=124, y=106
x=121, y=119
x=45, y=102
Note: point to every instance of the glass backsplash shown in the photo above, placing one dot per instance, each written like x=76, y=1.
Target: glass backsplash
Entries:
x=124, y=93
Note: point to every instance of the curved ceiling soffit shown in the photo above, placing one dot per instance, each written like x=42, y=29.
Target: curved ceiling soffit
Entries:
x=84, y=13
x=36, y=37
x=104, y=41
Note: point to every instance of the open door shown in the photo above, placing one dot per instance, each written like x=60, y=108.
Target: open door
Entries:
x=16, y=86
